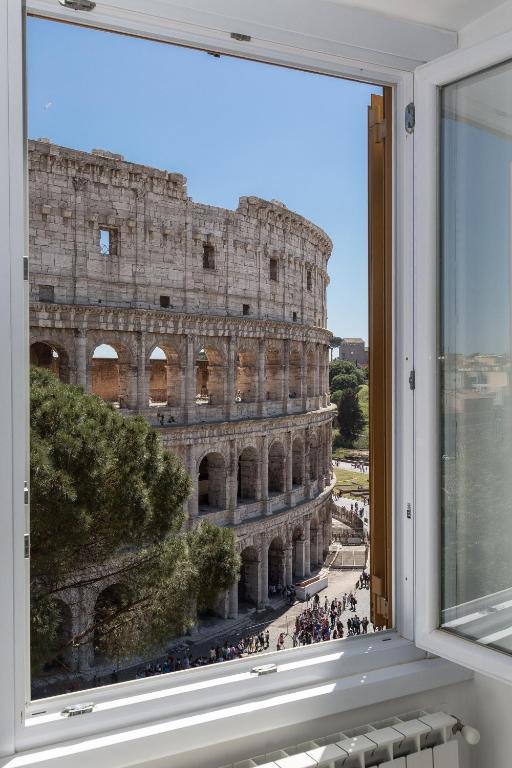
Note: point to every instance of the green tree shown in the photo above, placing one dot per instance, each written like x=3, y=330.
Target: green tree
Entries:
x=345, y=367
x=351, y=420
x=107, y=507
x=345, y=381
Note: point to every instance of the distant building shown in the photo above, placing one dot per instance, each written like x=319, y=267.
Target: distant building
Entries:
x=355, y=351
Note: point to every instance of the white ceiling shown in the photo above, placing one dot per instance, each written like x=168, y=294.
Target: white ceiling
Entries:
x=447, y=14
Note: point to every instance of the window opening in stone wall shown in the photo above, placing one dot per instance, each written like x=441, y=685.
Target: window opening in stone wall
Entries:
x=208, y=256
x=250, y=446
x=47, y=293
x=108, y=241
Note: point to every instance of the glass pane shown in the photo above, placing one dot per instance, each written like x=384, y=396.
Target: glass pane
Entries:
x=475, y=357
x=185, y=508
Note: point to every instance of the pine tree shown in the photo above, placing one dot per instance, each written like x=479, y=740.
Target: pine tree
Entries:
x=107, y=509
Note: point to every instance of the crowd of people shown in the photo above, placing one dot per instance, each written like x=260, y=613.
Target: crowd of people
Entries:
x=321, y=620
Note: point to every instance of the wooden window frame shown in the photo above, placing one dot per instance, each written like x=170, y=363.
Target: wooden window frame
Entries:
x=380, y=363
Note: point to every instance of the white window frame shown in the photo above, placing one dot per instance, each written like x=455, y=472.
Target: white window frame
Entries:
x=229, y=681
x=427, y=82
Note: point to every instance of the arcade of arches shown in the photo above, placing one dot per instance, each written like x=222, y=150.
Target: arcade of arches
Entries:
x=181, y=374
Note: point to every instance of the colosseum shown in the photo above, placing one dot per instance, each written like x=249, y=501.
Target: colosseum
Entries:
x=209, y=322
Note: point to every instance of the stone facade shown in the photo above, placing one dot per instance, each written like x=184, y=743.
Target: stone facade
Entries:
x=215, y=321
x=355, y=351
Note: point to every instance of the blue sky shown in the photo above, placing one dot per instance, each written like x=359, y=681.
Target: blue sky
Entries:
x=232, y=127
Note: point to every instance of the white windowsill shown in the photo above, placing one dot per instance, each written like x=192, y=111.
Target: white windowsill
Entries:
x=233, y=703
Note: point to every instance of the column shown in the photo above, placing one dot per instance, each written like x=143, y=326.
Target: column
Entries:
x=288, y=468
x=81, y=359
x=300, y=550
x=233, y=601
x=190, y=383
x=304, y=377
x=264, y=475
x=286, y=375
x=142, y=374
x=307, y=548
x=307, y=473
x=229, y=398
x=260, y=384
x=264, y=573
x=288, y=565
x=232, y=489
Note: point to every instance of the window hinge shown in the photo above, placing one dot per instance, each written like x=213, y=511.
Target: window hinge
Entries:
x=25, y=494
x=410, y=117
x=240, y=37
x=412, y=379
x=26, y=546
x=25, y=267
x=409, y=511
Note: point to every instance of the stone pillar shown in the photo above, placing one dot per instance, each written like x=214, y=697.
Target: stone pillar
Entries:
x=190, y=381
x=81, y=359
x=288, y=565
x=263, y=581
x=142, y=373
x=300, y=552
x=233, y=602
x=288, y=467
x=193, y=502
x=304, y=377
x=232, y=489
x=307, y=474
x=260, y=384
x=286, y=375
x=229, y=389
x=307, y=548
x=320, y=544
x=264, y=475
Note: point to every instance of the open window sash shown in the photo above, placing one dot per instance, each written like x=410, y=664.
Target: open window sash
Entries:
x=463, y=337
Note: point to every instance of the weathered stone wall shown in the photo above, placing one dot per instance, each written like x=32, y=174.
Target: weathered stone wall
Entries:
x=158, y=241
x=241, y=398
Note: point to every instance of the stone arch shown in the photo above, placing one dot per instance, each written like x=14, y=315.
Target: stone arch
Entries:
x=276, y=467
x=109, y=601
x=295, y=374
x=53, y=357
x=210, y=375
x=311, y=373
x=297, y=461
x=313, y=457
x=276, y=562
x=164, y=375
x=247, y=474
x=246, y=375
x=248, y=583
x=112, y=376
x=298, y=543
x=211, y=483
x=273, y=373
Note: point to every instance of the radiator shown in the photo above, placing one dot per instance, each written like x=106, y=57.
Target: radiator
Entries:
x=414, y=740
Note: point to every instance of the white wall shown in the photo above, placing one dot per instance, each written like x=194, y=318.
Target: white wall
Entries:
x=489, y=25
